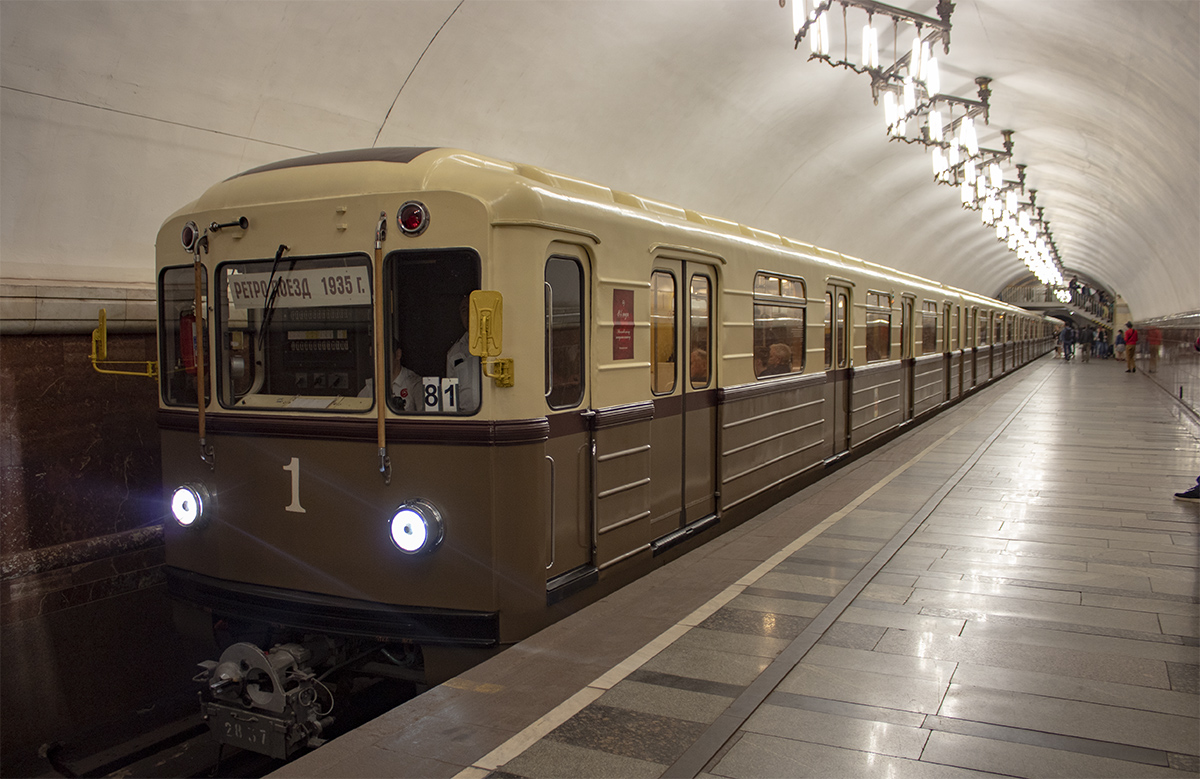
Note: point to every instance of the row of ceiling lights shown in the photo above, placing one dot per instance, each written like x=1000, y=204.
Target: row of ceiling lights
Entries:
x=912, y=99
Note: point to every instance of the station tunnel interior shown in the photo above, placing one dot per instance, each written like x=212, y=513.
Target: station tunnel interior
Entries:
x=114, y=113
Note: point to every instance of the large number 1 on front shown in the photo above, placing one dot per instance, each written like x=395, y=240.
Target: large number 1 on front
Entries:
x=294, y=467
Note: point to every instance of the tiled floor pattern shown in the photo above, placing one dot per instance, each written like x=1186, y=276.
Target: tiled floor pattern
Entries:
x=1042, y=619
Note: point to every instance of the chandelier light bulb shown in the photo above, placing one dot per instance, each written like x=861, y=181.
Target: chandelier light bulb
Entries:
x=870, y=47
x=996, y=176
x=935, y=126
x=933, y=78
x=890, y=110
x=799, y=15
x=910, y=95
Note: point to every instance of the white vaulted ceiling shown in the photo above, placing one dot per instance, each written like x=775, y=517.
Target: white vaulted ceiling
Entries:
x=113, y=113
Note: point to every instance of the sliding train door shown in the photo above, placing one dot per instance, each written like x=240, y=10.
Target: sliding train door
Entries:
x=837, y=370
x=683, y=299
x=570, y=536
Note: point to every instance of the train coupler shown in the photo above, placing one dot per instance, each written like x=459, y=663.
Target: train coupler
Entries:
x=267, y=702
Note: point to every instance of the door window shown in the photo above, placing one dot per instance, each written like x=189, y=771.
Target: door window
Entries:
x=662, y=333
x=700, y=332
x=564, y=332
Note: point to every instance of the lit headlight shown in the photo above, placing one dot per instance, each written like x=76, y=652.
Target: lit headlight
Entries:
x=188, y=504
x=416, y=527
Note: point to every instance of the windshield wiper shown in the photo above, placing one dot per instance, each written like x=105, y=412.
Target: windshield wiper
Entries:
x=272, y=291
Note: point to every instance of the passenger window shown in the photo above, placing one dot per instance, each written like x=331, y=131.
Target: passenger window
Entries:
x=662, y=333
x=780, y=309
x=431, y=368
x=879, y=327
x=700, y=332
x=564, y=332
x=177, y=324
x=295, y=333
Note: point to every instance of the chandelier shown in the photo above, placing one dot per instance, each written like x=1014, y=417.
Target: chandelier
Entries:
x=916, y=111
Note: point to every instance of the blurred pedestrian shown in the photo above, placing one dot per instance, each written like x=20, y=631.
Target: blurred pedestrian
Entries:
x=1087, y=339
x=1153, y=343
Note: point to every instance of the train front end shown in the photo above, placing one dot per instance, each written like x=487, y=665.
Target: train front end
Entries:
x=312, y=527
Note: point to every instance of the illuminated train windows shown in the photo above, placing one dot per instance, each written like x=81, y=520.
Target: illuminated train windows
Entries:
x=662, y=333
x=427, y=310
x=564, y=332
x=879, y=327
x=295, y=333
x=700, y=332
x=779, y=318
x=177, y=334
x=929, y=317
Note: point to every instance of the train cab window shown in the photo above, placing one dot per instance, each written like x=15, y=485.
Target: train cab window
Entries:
x=564, y=332
x=879, y=327
x=427, y=310
x=295, y=333
x=929, y=318
x=177, y=324
x=662, y=333
x=700, y=332
x=780, y=314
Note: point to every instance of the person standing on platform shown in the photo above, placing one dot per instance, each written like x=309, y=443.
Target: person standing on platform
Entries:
x=1068, y=342
x=1087, y=339
x=1131, y=340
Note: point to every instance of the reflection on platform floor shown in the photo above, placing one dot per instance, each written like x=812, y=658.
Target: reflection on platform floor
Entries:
x=1010, y=589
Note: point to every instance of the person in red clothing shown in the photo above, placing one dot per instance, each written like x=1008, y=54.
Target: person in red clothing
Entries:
x=1131, y=339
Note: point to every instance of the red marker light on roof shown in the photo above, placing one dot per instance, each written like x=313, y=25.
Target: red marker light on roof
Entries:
x=412, y=218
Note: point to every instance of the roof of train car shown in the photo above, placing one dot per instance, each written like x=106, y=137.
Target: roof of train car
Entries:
x=364, y=171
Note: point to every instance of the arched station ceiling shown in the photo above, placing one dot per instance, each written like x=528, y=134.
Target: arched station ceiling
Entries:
x=116, y=112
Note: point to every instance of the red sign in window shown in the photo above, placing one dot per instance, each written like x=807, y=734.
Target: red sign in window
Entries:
x=622, y=324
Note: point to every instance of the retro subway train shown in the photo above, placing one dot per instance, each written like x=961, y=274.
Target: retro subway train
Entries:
x=448, y=399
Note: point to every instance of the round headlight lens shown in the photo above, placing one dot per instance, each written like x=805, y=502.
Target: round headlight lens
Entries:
x=416, y=527
x=188, y=503
x=189, y=235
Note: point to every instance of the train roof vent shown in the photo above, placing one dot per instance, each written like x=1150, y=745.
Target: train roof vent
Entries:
x=568, y=183
x=646, y=204
x=807, y=248
x=724, y=225
x=761, y=235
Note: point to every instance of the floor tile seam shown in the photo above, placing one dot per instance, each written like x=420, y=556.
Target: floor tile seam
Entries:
x=1086, y=589
x=1077, y=628
x=701, y=752
x=1062, y=742
x=1136, y=690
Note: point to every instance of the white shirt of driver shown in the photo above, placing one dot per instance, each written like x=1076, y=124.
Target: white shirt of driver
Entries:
x=464, y=366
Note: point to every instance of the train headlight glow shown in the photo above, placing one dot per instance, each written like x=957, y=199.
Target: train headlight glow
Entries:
x=189, y=503
x=416, y=527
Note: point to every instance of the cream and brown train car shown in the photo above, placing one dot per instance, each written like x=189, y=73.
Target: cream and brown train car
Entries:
x=577, y=384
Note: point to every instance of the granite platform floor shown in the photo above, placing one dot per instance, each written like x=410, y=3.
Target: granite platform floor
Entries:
x=1007, y=590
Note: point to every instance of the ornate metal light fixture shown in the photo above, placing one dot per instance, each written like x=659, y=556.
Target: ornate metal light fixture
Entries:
x=910, y=88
